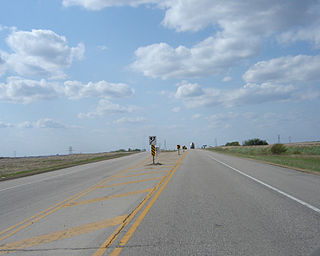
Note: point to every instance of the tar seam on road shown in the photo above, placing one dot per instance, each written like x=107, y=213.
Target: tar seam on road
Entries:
x=27, y=222
x=136, y=224
x=269, y=186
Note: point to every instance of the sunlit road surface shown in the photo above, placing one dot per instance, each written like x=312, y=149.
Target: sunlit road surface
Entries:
x=196, y=203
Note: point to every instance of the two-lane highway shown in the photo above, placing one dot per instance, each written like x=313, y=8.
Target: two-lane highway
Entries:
x=196, y=203
x=222, y=205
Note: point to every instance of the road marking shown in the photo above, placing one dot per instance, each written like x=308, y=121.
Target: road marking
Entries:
x=269, y=186
x=116, y=234
x=135, y=225
x=60, y=235
x=140, y=174
x=27, y=222
x=130, y=182
x=99, y=199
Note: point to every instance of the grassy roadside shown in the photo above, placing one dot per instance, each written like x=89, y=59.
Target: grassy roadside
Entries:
x=11, y=168
x=304, y=156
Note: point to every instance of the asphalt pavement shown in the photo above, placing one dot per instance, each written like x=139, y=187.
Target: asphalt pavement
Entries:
x=195, y=203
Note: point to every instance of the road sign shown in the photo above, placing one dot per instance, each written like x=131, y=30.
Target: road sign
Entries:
x=153, y=150
x=152, y=140
x=178, y=146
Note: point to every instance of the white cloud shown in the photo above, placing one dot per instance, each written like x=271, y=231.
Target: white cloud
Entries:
x=40, y=53
x=130, y=120
x=226, y=79
x=285, y=69
x=26, y=124
x=5, y=125
x=187, y=90
x=176, y=109
x=196, y=116
x=214, y=55
x=48, y=123
x=20, y=90
x=76, y=90
x=96, y=5
x=247, y=95
x=106, y=107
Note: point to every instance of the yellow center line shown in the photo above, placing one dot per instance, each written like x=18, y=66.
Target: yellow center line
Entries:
x=116, y=233
x=63, y=234
x=140, y=174
x=99, y=199
x=130, y=182
x=27, y=222
x=135, y=225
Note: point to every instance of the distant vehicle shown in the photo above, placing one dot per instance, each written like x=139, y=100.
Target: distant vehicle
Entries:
x=191, y=145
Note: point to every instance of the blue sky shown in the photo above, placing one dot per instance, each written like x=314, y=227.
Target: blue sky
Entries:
x=100, y=75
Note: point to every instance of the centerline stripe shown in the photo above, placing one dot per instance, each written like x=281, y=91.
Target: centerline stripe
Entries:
x=22, y=225
x=269, y=186
x=136, y=224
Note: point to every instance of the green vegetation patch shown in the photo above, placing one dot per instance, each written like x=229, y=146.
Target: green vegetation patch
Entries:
x=302, y=156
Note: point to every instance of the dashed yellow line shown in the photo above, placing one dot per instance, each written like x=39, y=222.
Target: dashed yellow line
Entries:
x=129, y=182
x=63, y=234
x=99, y=199
x=140, y=174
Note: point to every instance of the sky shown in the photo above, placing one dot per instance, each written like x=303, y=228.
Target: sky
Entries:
x=102, y=75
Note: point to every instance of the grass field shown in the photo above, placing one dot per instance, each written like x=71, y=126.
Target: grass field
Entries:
x=24, y=166
x=304, y=156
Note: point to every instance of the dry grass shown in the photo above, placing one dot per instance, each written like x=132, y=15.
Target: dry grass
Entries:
x=24, y=166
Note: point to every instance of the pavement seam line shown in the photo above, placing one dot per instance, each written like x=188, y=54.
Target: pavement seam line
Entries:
x=116, y=234
x=145, y=173
x=60, y=235
x=99, y=199
x=136, y=224
x=18, y=227
x=270, y=187
x=130, y=182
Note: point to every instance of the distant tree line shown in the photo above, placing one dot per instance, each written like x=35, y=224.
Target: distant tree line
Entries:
x=251, y=142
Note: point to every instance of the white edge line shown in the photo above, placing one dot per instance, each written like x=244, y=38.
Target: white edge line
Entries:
x=269, y=186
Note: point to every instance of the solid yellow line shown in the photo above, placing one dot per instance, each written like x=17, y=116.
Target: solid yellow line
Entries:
x=129, y=182
x=63, y=234
x=60, y=205
x=99, y=199
x=116, y=233
x=140, y=174
x=135, y=225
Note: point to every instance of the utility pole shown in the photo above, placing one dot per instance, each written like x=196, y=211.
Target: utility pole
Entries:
x=279, y=139
x=70, y=150
x=289, y=139
x=215, y=142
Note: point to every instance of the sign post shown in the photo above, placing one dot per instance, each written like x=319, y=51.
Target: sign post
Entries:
x=153, y=152
x=178, y=147
x=153, y=142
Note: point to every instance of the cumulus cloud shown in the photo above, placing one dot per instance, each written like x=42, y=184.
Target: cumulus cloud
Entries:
x=100, y=4
x=285, y=69
x=5, y=125
x=39, y=53
x=106, y=107
x=21, y=90
x=76, y=90
x=239, y=30
x=176, y=109
x=211, y=56
x=130, y=120
x=247, y=95
x=49, y=123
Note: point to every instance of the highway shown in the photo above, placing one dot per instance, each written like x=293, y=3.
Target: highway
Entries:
x=196, y=203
